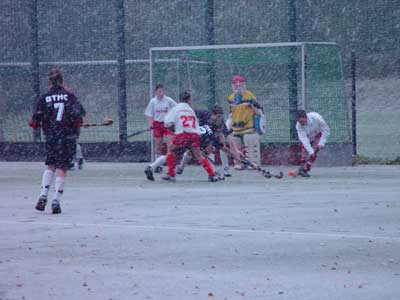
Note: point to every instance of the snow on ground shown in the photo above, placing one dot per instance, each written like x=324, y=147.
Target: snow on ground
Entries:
x=333, y=236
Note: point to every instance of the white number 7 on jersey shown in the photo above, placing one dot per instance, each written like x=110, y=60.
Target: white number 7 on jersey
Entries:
x=60, y=110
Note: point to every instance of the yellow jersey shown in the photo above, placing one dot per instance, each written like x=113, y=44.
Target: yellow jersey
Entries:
x=242, y=112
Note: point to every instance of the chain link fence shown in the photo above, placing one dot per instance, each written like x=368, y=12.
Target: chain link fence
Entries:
x=84, y=39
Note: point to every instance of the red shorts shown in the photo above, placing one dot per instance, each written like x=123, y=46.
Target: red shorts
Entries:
x=315, y=141
x=160, y=131
x=187, y=140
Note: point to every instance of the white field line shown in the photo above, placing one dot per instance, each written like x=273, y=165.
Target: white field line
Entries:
x=206, y=229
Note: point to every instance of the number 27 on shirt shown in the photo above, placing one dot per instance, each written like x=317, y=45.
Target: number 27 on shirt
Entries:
x=188, y=121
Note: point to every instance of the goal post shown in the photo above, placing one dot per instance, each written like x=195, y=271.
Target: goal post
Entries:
x=283, y=76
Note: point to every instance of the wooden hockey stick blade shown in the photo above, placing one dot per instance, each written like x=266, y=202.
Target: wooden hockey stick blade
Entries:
x=106, y=122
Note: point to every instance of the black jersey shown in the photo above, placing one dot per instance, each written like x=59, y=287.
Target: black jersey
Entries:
x=217, y=126
x=57, y=111
x=203, y=116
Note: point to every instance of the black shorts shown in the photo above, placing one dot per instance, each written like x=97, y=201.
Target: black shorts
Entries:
x=207, y=140
x=61, y=151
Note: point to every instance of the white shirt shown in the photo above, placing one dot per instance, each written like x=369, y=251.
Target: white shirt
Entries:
x=307, y=133
x=184, y=119
x=157, y=109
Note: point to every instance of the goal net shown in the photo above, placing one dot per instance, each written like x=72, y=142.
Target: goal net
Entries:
x=283, y=76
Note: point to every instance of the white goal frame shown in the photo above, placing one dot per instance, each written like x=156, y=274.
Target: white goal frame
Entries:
x=302, y=45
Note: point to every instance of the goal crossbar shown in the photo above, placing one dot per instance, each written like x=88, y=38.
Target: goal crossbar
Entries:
x=237, y=46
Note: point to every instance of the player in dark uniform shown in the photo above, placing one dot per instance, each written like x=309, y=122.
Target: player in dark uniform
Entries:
x=214, y=137
x=59, y=113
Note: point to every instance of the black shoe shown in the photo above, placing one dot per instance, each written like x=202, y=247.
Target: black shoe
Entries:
x=80, y=164
x=214, y=178
x=158, y=170
x=55, y=207
x=149, y=173
x=169, y=178
x=303, y=172
x=41, y=204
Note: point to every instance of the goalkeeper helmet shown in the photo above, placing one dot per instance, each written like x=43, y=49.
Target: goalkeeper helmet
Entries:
x=238, y=84
x=237, y=78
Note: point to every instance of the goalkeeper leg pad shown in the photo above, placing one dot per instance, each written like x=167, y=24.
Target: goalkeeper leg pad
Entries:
x=252, y=142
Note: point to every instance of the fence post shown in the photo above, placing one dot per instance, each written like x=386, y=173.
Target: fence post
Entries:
x=121, y=57
x=34, y=49
x=292, y=69
x=353, y=103
x=211, y=41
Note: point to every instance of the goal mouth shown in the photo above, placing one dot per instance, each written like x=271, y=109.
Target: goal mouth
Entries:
x=284, y=77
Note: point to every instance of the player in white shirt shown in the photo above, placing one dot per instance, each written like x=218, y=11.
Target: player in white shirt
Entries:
x=155, y=113
x=313, y=133
x=183, y=121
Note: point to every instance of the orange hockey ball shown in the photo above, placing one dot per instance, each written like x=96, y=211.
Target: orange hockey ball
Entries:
x=290, y=173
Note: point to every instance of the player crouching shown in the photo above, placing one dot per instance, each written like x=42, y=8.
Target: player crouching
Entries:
x=183, y=121
x=313, y=133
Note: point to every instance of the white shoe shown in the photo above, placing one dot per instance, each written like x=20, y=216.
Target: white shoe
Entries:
x=239, y=167
x=226, y=172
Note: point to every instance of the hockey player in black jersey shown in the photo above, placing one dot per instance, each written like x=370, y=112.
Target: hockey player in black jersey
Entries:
x=59, y=114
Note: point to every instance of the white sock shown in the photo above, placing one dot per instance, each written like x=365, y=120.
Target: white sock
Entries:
x=47, y=178
x=185, y=160
x=158, y=162
x=224, y=160
x=211, y=157
x=59, y=187
x=79, y=151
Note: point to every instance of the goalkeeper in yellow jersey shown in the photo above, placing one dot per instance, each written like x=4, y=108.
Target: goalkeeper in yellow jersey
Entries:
x=246, y=120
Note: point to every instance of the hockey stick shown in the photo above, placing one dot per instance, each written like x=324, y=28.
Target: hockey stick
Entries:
x=265, y=173
x=141, y=131
x=247, y=162
x=106, y=122
x=309, y=163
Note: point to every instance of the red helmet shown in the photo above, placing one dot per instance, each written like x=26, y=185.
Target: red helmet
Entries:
x=237, y=78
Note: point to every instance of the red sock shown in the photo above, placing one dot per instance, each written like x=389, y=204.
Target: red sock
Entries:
x=206, y=165
x=171, y=164
x=308, y=164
